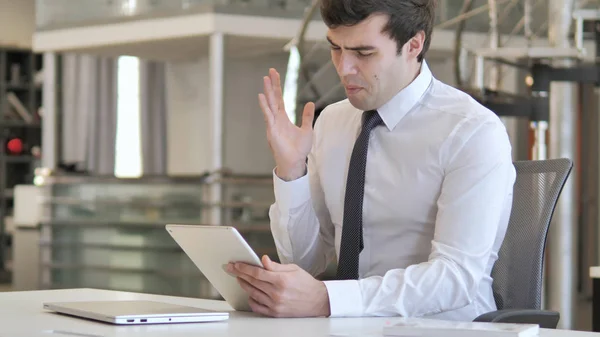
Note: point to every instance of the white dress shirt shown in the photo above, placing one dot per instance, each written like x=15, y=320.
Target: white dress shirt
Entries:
x=438, y=194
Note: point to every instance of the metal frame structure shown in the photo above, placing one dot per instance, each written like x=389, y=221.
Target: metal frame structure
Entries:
x=544, y=70
x=536, y=107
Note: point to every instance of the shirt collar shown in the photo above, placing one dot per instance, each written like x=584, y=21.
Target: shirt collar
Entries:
x=392, y=112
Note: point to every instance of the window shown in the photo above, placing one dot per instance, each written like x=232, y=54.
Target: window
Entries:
x=128, y=152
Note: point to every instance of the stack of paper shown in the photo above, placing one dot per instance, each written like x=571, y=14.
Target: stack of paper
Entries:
x=438, y=328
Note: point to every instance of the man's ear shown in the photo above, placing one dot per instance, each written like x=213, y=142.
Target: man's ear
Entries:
x=415, y=44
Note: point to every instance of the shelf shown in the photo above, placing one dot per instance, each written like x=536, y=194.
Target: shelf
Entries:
x=163, y=273
x=108, y=223
x=17, y=87
x=19, y=124
x=111, y=247
x=19, y=159
x=128, y=203
x=20, y=95
x=259, y=226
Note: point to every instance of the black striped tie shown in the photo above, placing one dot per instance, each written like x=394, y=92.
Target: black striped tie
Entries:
x=352, y=233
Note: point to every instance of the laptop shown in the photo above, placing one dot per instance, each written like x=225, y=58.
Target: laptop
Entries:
x=136, y=312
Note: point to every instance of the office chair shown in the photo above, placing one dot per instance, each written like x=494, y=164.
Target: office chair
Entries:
x=517, y=273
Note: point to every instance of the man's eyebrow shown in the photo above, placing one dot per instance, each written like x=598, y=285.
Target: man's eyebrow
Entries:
x=356, y=48
x=331, y=42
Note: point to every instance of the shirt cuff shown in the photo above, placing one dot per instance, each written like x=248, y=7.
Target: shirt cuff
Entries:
x=345, y=298
x=291, y=194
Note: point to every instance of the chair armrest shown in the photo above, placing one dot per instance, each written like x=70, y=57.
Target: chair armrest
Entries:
x=544, y=318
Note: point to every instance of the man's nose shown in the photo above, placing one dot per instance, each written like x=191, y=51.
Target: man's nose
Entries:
x=347, y=65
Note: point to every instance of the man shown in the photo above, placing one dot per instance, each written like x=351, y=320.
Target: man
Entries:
x=408, y=181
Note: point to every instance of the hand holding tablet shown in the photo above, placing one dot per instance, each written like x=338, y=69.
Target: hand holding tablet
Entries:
x=211, y=249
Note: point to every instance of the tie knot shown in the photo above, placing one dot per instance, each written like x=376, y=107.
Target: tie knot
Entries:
x=371, y=119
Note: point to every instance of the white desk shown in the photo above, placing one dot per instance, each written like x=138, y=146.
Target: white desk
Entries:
x=21, y=314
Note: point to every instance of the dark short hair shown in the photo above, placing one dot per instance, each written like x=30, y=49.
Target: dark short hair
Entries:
x=406, y=17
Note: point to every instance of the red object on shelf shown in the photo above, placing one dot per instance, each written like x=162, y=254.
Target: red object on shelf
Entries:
x=15, y=146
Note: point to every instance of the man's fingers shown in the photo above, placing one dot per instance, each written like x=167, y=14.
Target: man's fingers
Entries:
x=267, y=113
x=277, y=267
x=254, y=292
x=270, y=93
x=308, y=116
x=258, y=308
x=265, y=287
x=276, y=80
x=268, y=286
x=255, y=272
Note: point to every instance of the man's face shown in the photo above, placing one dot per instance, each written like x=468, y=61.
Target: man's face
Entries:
x=368, y=63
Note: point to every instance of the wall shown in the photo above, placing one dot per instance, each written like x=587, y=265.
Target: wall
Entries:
x=17, y=23
x=245, y=146
x=188, y=123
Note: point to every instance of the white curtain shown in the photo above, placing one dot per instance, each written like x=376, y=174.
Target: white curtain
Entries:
x=89, y=113
x=153, y=115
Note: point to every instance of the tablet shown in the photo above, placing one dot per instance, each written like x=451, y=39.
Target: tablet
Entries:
x=211, y=248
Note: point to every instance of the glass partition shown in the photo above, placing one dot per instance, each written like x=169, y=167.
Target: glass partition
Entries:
x=109, y=233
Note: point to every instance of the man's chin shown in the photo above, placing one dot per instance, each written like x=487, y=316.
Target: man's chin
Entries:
x=358, y=103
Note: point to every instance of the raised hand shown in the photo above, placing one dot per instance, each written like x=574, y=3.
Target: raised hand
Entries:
x=289, y=143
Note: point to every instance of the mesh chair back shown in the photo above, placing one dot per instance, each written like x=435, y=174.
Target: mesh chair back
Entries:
x=517, y=273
